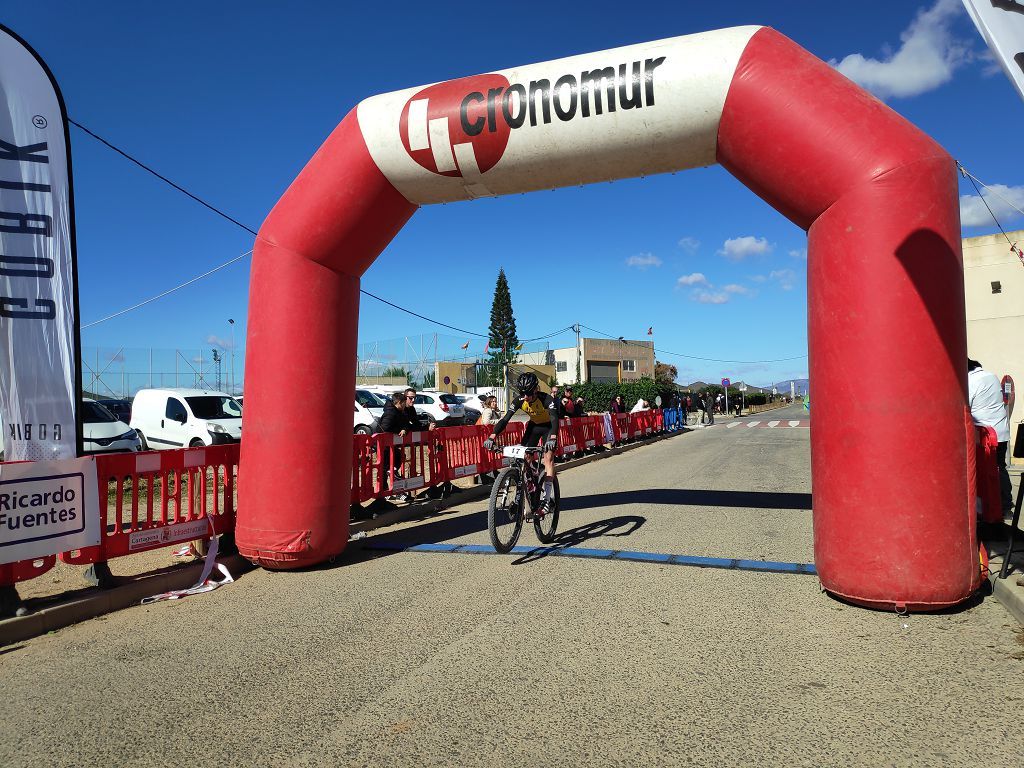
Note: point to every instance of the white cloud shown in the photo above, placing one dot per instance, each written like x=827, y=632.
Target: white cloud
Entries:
x=735, y=288
x=798, y=254
x=758, y=279
x=1001, y=200
x=216, y=341
x=689, y=244
x=709, y=297
x=739, y=248
x=786, y=278
x=926, y=59
x=643, y=261
x=697, y=278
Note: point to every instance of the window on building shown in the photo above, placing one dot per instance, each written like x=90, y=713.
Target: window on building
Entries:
x=997, y=287
x=603, y=372
x=561, y=366
x=629, y=365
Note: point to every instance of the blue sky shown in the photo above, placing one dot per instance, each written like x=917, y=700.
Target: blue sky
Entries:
x=231, y=99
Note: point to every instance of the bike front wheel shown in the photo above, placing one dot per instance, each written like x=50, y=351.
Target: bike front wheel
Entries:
x=546, y=526
x=505, y=510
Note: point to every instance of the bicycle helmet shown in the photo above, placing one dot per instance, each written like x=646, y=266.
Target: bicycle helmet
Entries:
x=526, y=383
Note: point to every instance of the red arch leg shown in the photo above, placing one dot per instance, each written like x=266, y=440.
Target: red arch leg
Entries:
x=294, y=486
x=892, y=516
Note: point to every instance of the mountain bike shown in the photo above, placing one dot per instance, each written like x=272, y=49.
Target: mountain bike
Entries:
x=516, y=497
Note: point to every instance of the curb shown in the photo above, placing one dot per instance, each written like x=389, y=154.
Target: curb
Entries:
x=1009, y=596
x=132, y=592
x=106, y=601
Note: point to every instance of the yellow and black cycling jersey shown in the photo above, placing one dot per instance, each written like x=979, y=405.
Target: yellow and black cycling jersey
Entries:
x=543, y=411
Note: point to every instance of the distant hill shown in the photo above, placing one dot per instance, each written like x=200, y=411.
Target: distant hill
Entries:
x=800, y=385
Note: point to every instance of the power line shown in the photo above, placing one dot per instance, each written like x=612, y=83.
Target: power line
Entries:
x=161, y=177
x=232, y=261
x=169, y=290
x=692, y=357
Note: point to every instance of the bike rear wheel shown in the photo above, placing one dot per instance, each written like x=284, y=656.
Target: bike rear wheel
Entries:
x=505, y=510
x=546, y=526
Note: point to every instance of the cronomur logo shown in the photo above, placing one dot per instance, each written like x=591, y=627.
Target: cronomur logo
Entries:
x=433, y=134
x=462, y=127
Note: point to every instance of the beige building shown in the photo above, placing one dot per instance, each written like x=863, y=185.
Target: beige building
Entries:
x=605, y=360
x=994, y=291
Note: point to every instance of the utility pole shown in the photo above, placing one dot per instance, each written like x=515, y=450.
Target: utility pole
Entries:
x=579, y=380
x=232, y=324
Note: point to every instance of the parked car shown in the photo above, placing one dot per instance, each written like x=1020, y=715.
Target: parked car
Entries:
x=176, y=418
x=120, y=408
x=103, y=432
x=369, y=409
x=472, y=414
x=470, y=401
x=441, y=408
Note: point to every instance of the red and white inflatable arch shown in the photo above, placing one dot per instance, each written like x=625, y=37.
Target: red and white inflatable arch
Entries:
x=893, y=513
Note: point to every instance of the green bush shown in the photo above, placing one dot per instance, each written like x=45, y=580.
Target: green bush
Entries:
x=598, y=395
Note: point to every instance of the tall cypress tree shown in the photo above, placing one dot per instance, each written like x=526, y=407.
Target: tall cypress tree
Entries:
x=502, y=332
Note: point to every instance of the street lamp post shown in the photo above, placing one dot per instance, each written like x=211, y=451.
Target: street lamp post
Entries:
x=232, y=324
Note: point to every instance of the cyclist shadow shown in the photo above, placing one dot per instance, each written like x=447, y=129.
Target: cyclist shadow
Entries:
x=575, y=536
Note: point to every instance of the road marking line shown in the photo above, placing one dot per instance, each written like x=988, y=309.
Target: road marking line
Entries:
x=794, y=423
x=731, y=564
x=753, y=423
x=730, y=426
x=773, y=424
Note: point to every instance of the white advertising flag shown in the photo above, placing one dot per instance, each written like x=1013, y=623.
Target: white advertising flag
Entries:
x=48, y=507
x=39, y=375
x=1001, y=23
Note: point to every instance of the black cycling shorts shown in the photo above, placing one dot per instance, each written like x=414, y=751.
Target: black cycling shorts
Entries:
x=534, y=434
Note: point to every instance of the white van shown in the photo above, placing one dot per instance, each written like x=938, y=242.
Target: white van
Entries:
x=183, y=418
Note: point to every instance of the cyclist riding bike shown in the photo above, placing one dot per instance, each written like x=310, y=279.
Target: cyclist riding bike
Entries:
x=542, y=427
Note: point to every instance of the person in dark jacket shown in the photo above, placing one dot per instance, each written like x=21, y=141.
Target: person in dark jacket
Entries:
x=400, y=418
x=618, y=405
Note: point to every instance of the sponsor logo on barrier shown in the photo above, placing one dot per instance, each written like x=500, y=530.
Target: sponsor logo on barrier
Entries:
x=464, y=471
x=462, y=127
x=591, y=443
x=408, y=483
x=569, y=448
x=38, y=508
x=193, y=529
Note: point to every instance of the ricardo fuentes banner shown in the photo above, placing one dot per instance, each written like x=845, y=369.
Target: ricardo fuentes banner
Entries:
x=39, y=377
x=47, y=507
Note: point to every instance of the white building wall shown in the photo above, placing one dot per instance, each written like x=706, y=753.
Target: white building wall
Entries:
x=995, y=320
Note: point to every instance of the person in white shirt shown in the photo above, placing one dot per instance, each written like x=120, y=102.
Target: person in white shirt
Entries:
x=985, y=397
x=641, y=405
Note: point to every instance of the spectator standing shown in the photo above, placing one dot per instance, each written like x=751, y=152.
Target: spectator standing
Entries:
x=641, y=405
x=719, y=400
x=488, y=416
x=400, y=418
x=568, y=407
x=707, y=407
x=987, y=410
x=617, y=405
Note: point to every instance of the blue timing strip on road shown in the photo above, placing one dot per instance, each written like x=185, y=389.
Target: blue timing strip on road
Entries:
x=764, y=566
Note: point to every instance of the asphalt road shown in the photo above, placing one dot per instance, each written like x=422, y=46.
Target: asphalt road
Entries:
x=456, y=659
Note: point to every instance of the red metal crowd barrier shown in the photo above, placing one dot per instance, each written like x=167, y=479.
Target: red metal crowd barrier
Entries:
x=159, y=498
x=154, y=499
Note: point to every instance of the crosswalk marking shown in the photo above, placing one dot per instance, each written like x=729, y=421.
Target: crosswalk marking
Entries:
x=790, y=424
